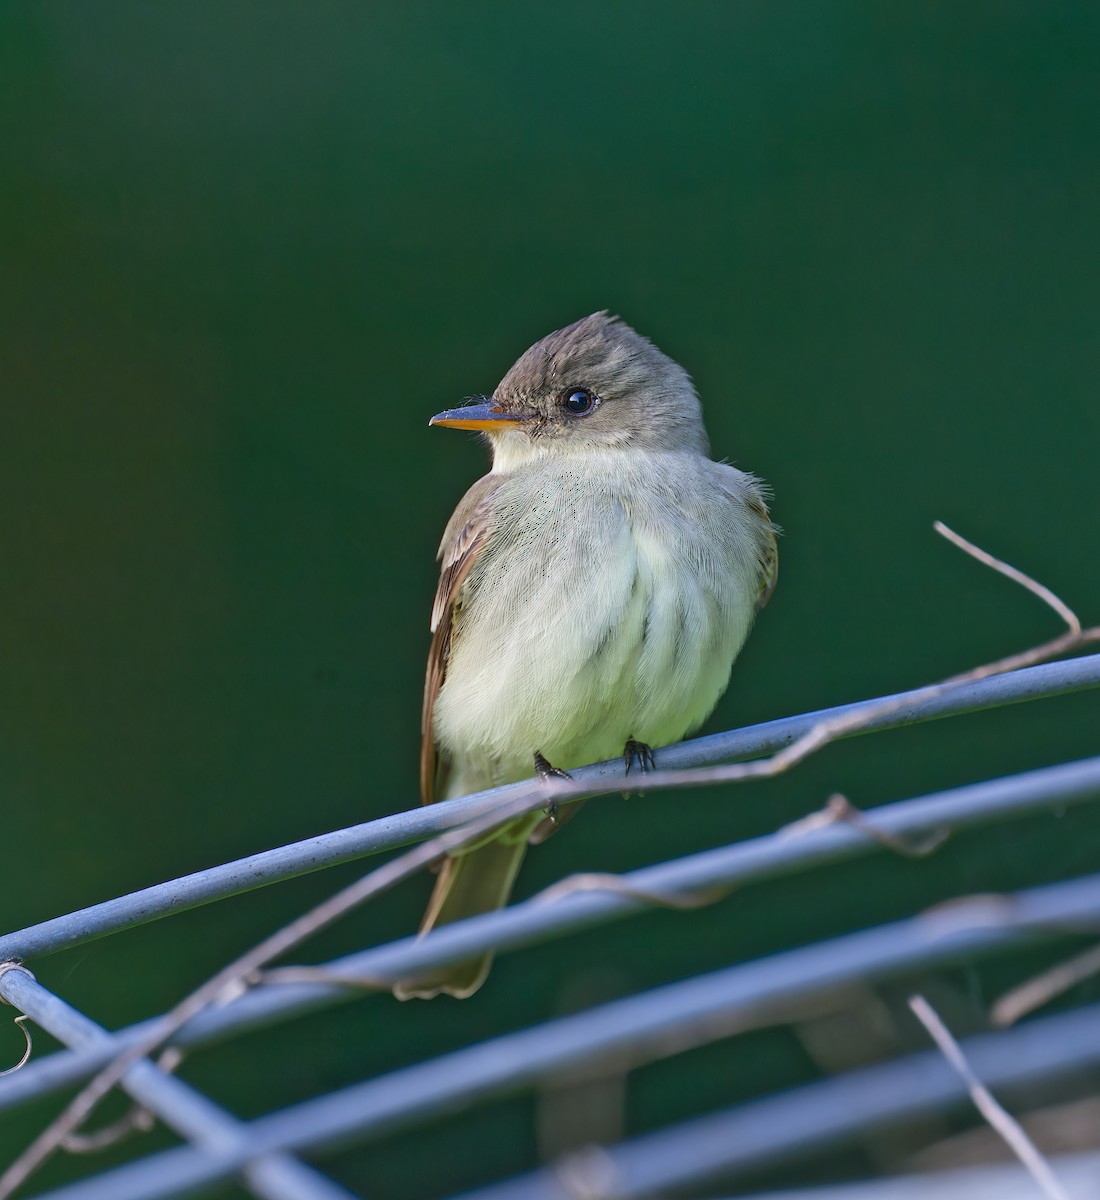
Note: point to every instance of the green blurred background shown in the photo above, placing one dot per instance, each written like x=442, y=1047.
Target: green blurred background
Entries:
x=247, y=250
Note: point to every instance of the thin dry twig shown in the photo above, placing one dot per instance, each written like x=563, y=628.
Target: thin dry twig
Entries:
x=1043, y=988
x=247, y=967
x=21, y=1020
x=1002, y=1122
x=840, y=808
x=593, y=881
x=1014, y=573
x=138, y=1120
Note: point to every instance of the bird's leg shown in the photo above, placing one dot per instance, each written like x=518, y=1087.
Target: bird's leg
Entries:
x=545, y=771
x=637, y=754
x=555, y=817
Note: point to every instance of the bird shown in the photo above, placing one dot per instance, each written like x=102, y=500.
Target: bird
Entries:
x=595, y=588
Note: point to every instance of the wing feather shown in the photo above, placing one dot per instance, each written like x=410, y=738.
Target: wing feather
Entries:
x=768, y=549
x=769, y=568
x=464, y=539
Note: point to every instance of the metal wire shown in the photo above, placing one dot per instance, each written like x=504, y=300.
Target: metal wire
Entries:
x=793, y=1124
x=524, y=924
x=191, y=1114
x=418, y=824
x=640, y=1028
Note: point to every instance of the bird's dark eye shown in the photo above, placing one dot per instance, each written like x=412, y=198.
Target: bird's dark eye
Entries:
x=578, y=401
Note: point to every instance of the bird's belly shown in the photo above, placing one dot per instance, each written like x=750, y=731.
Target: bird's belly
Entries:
x=636, y=643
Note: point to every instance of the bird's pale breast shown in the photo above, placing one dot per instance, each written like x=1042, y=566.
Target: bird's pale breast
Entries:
x=608, y=604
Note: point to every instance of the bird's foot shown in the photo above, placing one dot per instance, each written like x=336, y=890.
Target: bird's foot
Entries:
x=555, y=817
x=638, y=754
x=545, y=771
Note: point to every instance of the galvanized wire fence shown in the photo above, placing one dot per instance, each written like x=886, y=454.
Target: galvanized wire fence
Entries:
x=264, y=1154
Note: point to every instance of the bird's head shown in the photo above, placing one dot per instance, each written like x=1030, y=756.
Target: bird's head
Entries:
x=594, y=385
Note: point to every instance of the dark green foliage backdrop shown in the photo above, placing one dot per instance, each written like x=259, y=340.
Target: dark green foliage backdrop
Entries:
x=248, y=250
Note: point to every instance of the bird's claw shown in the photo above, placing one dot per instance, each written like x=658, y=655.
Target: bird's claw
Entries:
x=638, y=754
x=546, y=771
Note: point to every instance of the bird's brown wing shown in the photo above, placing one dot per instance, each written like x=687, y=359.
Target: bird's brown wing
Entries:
x=769, y=569
x=768, y=552
x=463, y=540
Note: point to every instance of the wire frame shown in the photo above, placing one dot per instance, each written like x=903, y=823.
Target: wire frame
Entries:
x=263, y=1154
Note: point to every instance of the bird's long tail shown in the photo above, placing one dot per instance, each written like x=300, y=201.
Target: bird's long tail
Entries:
x=478, y=881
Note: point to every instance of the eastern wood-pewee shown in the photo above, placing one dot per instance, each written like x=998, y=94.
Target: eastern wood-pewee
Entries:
x=596, y=587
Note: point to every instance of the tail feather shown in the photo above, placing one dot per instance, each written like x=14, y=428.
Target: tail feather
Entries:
x=479, y=881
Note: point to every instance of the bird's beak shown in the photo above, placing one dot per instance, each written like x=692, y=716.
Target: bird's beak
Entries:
x=476, y=416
